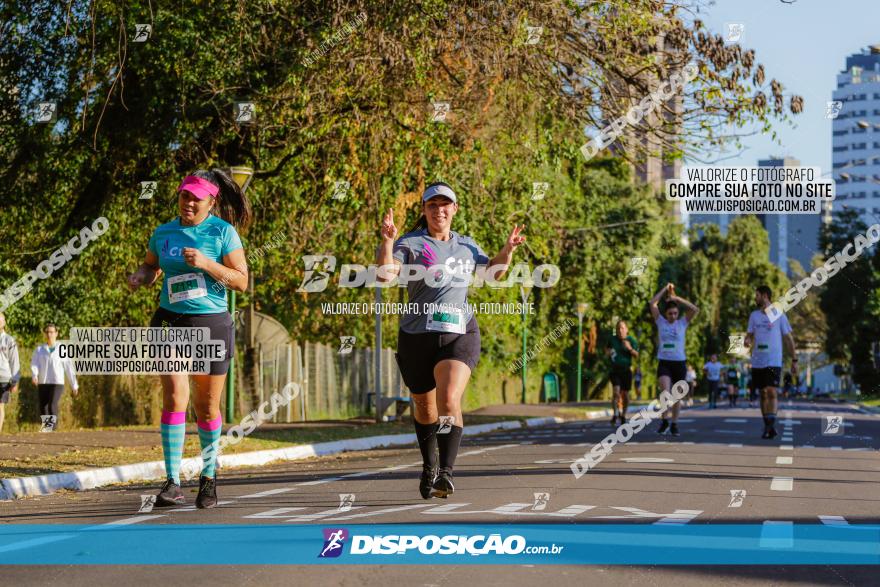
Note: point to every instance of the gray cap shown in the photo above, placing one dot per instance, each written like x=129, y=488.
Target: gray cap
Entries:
x=439, y=190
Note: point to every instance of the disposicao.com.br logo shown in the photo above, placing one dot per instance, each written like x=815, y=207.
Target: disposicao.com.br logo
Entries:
x=476, y=545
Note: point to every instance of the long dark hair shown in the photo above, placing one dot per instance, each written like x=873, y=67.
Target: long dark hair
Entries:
x=422, y=222
x=231, y=203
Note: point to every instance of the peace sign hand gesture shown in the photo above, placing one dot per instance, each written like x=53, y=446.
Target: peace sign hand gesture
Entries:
x=514, y=239
x=389, y=231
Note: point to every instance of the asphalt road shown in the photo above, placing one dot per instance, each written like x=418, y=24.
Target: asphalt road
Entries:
x=718, y=471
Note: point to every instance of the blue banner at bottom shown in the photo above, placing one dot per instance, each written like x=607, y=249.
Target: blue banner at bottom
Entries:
x=771, y=543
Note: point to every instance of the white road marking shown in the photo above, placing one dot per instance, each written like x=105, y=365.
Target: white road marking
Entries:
x=735, y=420
x=782, y=484
x=646, y=460
x=125, y=522
x=274, y=514
x=679, y=517
x=383, y=511
x=192, y=508
x=786, y=447
x=268, y=493
x=737, y=445
x=784, y=460
x=841, y=522
x=487, y=449
x=320, y=515
x=454, y=509
x=730, y=431
x=777, y=535
x=636, y=513
x=35, y=542
x=836, y=448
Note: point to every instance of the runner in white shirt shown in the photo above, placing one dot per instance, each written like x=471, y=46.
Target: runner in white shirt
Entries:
x=48, y=371
x=672, y=363
x=713, y=375
x=10, y=372
x=765, y=338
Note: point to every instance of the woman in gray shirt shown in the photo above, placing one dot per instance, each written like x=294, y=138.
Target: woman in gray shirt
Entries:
x=438, y=344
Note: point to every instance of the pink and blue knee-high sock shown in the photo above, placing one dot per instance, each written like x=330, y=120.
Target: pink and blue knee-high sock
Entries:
x=209, y=435
x=173, y=431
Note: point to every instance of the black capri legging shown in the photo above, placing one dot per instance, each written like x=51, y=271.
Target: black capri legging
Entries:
x=49, y=395
x=220, y=325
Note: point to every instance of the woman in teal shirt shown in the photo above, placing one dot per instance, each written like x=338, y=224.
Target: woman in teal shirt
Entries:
x=199, y=254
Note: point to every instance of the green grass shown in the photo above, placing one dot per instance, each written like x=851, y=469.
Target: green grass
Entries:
x=77, y=459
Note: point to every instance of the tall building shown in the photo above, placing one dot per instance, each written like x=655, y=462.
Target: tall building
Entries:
x=792, y=236
x=856, y=135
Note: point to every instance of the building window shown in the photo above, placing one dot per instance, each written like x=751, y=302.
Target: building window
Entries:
x=859, y=146
x=840, y=149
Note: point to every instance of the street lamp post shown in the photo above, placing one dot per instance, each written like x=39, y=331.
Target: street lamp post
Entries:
x=242, y=176
x=524, y=289
x=581, y=310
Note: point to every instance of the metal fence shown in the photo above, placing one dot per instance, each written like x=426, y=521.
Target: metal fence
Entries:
x=333, y=385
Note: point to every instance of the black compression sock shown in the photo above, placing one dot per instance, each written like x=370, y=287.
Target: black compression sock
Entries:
x=426, y=434
x=771, y=420
x=449, y=444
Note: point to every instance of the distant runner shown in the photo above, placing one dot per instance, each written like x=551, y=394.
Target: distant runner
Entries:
x=731, y=377
x=672, y=362
x=622, y=348
x=712, y=369
x=765, y=338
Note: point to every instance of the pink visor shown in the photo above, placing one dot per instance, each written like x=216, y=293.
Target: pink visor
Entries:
x=200, y=188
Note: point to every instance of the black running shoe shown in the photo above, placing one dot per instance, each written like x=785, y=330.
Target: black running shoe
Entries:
x=207, y=497
x=663, y=426
x=674, y=429
x=170, y=494
x=443, y=486
x=772, y=433
x=622, y=420
x=426, y=482
x=766, y=432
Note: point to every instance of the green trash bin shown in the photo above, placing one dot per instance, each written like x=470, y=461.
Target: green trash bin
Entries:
x=551, y=387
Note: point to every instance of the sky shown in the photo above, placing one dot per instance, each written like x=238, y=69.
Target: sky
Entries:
x=804, y=45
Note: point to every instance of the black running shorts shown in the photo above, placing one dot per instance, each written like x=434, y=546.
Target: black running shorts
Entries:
x=220, y=325
x=766, y=376
x=675, y=370
x=5, y=392
x=621, y=376
x=417, y=354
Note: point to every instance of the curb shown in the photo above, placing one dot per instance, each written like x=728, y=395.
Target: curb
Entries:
x=89, y=479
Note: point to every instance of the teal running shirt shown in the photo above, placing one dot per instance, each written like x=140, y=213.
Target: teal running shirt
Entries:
x=185, y=289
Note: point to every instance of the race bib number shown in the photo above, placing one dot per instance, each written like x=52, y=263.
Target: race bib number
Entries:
x=669, y=346
x=763, y=348
x=186, y=287
x=446, y=322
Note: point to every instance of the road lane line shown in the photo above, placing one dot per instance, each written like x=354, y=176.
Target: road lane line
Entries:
x=786, y=447
x=268, y=493
x=784, y=460
x=273, y=514
x=383, y=511
x=782, y=484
